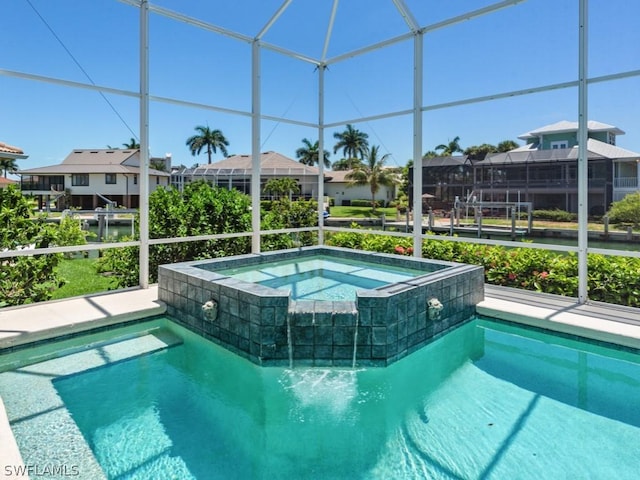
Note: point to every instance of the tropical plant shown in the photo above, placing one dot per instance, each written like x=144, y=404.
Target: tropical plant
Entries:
x=281, y=187
x=404, y=178
x=158, y=164
x=430, y=154
x=352, y=142
x=133, y=143
x=8, y=165
x=309, y=153
x=285, y=213
x=208, y=139
x=626, y=211
x=506, y=145
x=450, y=148
x=32, y=278
x=346, y=164
x=479, y=152
x=373, y=173
x=611, y=279
x=199, y=210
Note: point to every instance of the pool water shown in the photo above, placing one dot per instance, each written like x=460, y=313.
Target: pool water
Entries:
x=323, y=278
x=488, y=400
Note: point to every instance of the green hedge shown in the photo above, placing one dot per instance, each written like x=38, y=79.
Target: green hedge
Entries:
x=366, y=203
x=611, y=279
x=554, y=215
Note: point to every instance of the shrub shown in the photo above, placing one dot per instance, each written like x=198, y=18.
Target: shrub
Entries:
x=205, y=210
x=29, y=278
x=554, y=215
x=626, y=211
x=611, y=279
x=364, y=203
x=70, y=233
x=199, y=210
x=289, y=214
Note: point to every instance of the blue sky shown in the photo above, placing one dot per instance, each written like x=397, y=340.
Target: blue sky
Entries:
x=531, y=44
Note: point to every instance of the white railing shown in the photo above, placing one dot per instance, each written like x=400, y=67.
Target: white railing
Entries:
x=625, y=182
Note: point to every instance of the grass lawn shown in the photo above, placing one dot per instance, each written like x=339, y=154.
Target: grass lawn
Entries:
x=361, y=212
x=81, y=277
x=592, y=226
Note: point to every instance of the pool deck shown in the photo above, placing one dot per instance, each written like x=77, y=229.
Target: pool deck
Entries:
x=26, y=324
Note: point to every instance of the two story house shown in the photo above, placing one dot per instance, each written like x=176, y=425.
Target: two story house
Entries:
x=88, y=179
x=543, y=172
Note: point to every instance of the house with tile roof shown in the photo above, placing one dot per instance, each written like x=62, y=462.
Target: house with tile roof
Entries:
x=543, y=172
x=235, y=172
x=87, y=179
x=8, y=155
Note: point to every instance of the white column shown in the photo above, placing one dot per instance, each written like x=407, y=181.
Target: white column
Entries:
x=255, y=146
x=321, y=69
x=144, y=144
x=583, y=168
x=417, y=144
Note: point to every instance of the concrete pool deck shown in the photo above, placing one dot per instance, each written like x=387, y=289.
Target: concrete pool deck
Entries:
x=32, y=323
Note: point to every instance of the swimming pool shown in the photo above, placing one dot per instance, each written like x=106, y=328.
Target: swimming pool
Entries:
x=488, y=400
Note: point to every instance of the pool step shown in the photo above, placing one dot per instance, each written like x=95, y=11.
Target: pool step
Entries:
x=106, y=351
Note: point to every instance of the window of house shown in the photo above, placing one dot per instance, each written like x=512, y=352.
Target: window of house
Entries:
x=110, y=178
x=135, y=179
x=560, y=144
x=612, y=138
x=80, y=180
x=157, y=180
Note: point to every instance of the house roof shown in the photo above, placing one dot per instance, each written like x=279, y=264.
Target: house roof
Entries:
x=270, y=163
x=4, y=182
x=565, y=126
x=336, y=176
x=447, y=161
x=596, y=150
x=94, y=161
x=9, y=151
x=62, y=169
x=99, y=157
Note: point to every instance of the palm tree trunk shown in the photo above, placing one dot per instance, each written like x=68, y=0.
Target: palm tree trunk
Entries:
x=209, y=153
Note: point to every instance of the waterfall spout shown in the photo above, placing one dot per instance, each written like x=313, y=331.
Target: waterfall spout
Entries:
x=356, y=315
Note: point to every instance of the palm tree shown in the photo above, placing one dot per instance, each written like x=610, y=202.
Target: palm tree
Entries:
x=132, y=144
x=352, y=142
x=346, y=164
x=280, y=187
x=372, y=172
x=450, y=148
x=479, y=152
x=8, y=165
x=158, y=164
x=309, y=154
x=209, y=139
x=507, y=145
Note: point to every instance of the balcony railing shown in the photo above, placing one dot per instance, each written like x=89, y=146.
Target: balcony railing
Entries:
x=625, y=182
x=42, y=184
